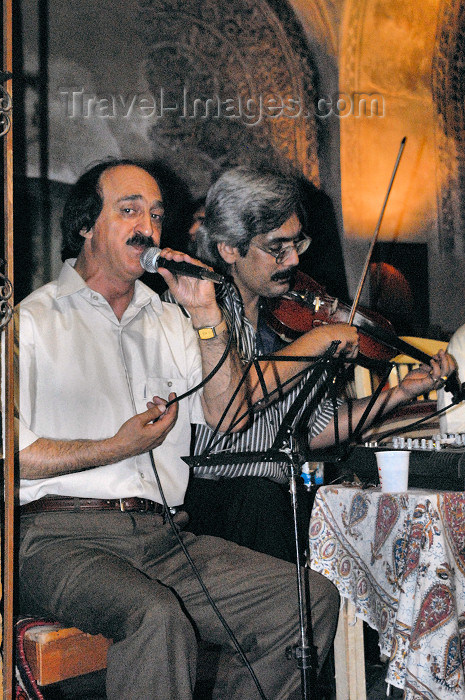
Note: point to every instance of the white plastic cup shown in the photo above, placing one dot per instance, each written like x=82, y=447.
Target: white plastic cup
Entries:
x=393, y=470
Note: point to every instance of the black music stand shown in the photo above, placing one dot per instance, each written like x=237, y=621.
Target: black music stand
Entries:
x=292, y=435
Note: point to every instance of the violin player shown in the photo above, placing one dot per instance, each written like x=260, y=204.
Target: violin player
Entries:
x=252, y=233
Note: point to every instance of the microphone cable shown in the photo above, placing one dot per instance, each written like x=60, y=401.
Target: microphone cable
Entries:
x=175, y=530
x=211, y=374
x=198, y=576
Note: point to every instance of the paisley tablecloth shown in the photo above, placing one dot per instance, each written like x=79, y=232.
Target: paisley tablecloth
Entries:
x=400, y=559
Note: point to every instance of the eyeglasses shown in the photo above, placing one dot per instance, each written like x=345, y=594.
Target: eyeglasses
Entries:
x=282, y=253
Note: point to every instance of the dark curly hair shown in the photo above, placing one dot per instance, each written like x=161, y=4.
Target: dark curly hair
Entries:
x=85, y=202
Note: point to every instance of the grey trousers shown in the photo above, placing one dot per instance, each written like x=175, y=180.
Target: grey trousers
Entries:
x=124, y=575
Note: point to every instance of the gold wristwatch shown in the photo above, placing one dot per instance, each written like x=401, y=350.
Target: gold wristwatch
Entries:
x=208, y=332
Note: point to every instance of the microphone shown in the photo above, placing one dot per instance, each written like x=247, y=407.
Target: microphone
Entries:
x=151, y=261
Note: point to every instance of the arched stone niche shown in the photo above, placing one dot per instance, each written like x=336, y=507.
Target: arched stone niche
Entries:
x=397, y=57
x=385, y=64
x=234, y=85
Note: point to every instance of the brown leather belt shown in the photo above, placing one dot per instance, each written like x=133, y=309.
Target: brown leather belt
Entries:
x=69, y=503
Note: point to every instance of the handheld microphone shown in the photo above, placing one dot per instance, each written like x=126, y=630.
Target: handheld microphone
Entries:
x=151, y=261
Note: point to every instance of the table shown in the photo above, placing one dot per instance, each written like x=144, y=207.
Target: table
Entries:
x=399, y=559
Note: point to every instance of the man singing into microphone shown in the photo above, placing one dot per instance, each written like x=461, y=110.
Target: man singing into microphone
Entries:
x=99, y=355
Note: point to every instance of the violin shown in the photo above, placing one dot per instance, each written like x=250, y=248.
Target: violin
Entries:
x=307, y=305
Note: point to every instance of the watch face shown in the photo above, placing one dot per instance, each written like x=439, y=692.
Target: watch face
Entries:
x=206, y=333
x=211, y=331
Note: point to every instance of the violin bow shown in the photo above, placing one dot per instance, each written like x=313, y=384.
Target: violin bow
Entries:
x=375, y=235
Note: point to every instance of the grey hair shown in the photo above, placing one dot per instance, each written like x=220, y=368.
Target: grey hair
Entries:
x=241, y=204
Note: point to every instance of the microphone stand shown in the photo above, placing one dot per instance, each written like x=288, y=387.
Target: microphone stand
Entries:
x=304, y=651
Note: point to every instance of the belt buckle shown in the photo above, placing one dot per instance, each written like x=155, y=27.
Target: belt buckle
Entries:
x=172, y=511
x=122, y=506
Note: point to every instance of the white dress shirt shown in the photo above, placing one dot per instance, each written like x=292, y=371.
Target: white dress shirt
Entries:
x=83, y=373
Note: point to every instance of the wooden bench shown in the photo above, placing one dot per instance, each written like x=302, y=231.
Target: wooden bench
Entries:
x=55, y=653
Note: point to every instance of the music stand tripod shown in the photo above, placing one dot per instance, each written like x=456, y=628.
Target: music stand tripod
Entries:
x=304, y=651
x=297, y=431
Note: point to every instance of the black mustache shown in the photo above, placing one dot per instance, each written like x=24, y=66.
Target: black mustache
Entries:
x=140, y=239
x=285, y=275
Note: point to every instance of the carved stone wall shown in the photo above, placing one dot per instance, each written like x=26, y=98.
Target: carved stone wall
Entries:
x=448, y=92
x=448, y=88
x=234, y=82
x=232, y=57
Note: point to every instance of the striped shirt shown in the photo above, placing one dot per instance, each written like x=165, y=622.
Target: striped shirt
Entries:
x=265, y=423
